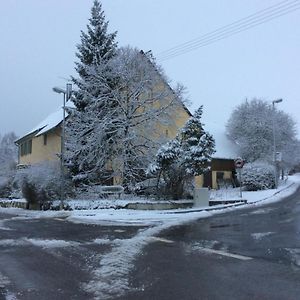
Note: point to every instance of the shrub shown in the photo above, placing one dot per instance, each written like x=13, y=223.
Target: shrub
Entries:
x=6, y=181
x=5, y=186
x=258, y=176
x=41, y=183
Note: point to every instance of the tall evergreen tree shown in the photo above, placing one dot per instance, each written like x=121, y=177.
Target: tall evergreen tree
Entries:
x=96, y=49
x=122, y=96
x=86, y=136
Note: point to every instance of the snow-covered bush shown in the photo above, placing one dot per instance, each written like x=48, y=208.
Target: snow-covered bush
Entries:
x=41, y=183
x=5, y=186
x=184, y=157
x=258, y=176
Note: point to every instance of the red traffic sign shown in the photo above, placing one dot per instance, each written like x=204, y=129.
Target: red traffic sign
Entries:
x=239, y=163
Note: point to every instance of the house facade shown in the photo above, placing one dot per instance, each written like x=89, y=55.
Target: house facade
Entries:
x=42, y=143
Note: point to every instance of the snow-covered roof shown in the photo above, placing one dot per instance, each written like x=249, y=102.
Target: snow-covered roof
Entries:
x=225, y=148
x=50, y=122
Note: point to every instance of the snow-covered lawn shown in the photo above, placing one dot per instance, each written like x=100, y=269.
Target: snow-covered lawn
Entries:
x=111, y=278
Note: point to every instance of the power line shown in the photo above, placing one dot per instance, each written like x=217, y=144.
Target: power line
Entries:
x=231, y=29
x=258, y=18
x=225, y=35
x=221, y=29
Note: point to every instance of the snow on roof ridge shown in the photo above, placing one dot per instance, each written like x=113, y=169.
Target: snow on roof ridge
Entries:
x=50, y=122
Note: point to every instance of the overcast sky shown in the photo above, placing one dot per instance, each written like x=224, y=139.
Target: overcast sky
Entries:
x=39, y=37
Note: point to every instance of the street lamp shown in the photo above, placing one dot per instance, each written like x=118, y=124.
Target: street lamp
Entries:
x=274, y=142
x=67, y=95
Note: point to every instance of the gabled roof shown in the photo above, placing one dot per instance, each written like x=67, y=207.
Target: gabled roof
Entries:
x=49, y=123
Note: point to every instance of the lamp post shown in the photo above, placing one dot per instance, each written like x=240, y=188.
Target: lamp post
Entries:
x=274, y=142
x=66, y=96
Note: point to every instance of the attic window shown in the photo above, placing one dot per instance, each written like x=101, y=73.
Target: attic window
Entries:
x=45, y=139
x=167, y=133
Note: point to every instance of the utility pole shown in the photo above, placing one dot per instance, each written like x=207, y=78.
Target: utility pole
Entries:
x=66, y=96
x=274, y=143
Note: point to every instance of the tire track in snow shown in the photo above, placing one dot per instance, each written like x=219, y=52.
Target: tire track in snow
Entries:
x=111, y=279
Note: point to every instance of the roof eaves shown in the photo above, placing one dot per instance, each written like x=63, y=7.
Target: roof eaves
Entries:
x=27, y=136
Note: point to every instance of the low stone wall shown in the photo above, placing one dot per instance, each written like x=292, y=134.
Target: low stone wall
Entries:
x=159, y=205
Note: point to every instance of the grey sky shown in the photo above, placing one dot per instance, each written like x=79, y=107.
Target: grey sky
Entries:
x=39, y=37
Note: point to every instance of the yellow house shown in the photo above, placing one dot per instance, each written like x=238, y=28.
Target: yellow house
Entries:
x=43, y=142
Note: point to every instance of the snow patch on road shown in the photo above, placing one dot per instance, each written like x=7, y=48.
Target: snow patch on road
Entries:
x=52, y=243
x=38, y=242
x=295, y=255
x=4, y=281
x=102, y=241
x=11, y=242
x=2, y=226
x=10, y=296
x=260, y=235
x=198, y=246
x=261, y=211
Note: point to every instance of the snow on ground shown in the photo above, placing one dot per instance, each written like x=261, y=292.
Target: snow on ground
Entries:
x=111, y=278
x=255, y=196
x=43, y=243
x=295, y=255
x=156, y=217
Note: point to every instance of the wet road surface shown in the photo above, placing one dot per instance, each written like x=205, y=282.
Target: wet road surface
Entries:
x=51, y=258
x=244, y=254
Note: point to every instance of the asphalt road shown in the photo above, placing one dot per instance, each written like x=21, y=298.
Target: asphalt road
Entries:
x=48, y=259
x=245, y=254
